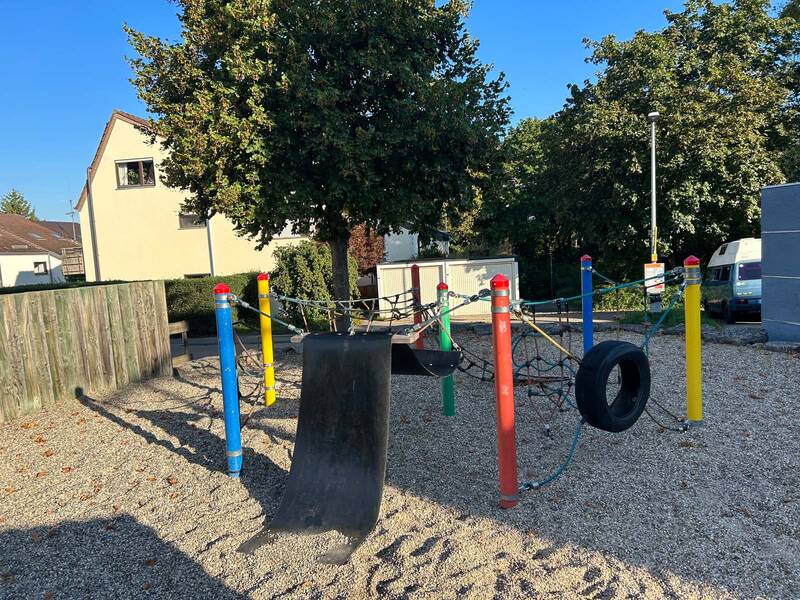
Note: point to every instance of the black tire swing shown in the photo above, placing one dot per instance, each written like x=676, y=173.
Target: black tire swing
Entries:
x=592, y=378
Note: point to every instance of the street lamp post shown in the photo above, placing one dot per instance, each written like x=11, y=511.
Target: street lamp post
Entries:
x=653, y=117
x=653, y=284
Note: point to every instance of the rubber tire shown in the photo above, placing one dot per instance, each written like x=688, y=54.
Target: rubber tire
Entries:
x=590, y=385
x=727, y=314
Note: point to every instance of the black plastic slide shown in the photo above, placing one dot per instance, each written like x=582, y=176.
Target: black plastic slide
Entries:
x=407, y=360
x=339, y=463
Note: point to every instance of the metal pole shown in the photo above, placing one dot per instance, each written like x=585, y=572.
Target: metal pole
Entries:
x=92, y=228
x=266, y=338
x=586, y=302
x=446, y=344
x=504, y=392
x=210, y=247
x=694, y=346
x=653, y=229
x=230, y=381
x=416, y=292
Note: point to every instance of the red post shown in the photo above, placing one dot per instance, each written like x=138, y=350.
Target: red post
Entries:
x=504, y=391
x=417, y=294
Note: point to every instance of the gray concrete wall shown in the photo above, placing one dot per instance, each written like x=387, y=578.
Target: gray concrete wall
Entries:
x=780, y=250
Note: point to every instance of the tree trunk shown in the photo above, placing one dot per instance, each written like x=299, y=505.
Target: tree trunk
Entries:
x=341, y=277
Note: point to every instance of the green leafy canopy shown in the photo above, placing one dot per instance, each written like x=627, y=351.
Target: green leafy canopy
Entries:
x=724, y=77
x=324, y=114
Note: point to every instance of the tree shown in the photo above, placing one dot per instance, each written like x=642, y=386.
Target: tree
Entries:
x=721, y=76
x=325, y=114
x=14, y=203
x=366, y=248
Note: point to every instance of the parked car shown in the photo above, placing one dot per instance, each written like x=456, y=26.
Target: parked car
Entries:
x=732, y=284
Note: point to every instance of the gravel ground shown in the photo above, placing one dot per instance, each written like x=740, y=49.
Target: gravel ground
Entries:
x=125, y=496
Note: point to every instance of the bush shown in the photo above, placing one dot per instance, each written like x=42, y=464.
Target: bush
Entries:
x=305, y=271
x=40, y=287
x=632, y=299
x=192, y=300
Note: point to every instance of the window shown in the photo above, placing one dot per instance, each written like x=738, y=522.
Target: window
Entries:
x=197, y=275
x=722, y=249
x=749, y=271
x=40, y=268
x=724, y=273
x=135, y=173
x=36, y=236
x=190, y=221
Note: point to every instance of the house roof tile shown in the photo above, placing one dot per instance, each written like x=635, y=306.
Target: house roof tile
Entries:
x=19, y=235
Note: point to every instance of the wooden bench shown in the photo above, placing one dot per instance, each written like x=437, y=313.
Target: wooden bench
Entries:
x=181, y=328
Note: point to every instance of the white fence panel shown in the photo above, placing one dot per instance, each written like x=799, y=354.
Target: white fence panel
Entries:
x=461, y=275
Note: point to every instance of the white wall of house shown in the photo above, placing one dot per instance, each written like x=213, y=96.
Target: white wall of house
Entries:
x=404, y=245
x=137, y=230
x=19, y=269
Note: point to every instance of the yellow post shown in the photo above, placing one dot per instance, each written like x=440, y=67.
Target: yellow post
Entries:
x=266, y=339
x=694, y=352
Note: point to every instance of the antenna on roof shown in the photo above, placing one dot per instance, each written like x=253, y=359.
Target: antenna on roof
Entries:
x=71, y=214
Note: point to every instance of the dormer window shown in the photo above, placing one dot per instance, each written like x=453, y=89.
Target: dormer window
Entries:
x=135, y=173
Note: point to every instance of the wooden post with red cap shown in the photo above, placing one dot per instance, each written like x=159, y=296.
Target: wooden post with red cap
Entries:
x=504, y=391
x=694, y=345
x=416, y=292
x=266, y=338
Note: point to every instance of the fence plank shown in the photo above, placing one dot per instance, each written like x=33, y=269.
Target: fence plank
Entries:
x=100, y=314
x=11, y=390
x=161, y=327
x=68, y=349
x=51, y=335
x=117, y=336
x=129, y=331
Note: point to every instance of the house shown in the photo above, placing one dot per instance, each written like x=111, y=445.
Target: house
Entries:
x=133, y=226
x=31, y=253
x=66, y=229
x=71, y=258
x=405, y=245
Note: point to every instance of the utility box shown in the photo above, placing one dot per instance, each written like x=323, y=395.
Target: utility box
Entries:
x=780, y=262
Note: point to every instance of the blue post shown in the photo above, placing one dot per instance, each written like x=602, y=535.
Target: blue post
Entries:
x=586, y=302
x=230, y=381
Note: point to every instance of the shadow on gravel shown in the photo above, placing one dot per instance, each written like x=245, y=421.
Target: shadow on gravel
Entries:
x=109, y=558
x=200, y=446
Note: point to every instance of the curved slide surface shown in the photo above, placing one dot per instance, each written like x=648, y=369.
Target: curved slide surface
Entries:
x=339, y=463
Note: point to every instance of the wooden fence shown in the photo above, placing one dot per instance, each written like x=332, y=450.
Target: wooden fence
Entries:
x=57, y=343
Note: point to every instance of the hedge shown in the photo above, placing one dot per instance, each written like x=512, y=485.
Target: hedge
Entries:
x=192, y=300
x=631, y=298
x=41, y=287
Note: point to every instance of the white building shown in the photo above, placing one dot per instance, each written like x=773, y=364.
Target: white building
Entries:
x=405, y=245
x=30, y=253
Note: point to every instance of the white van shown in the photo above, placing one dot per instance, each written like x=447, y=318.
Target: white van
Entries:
x=732, y=285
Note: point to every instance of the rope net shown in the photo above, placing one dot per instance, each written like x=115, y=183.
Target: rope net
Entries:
x=545, y=361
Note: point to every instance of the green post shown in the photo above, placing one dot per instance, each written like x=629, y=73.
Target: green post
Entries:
x=448, y=392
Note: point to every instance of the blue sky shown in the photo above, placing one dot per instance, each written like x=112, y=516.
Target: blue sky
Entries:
x=63, y=69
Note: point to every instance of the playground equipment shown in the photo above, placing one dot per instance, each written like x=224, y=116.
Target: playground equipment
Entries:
x=337, y=473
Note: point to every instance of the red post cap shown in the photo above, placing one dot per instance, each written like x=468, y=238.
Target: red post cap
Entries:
x=222, y=288
x=691, y=261
x=586, y=258
x=442, y=286
x=499, y=281
x=263, y=277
